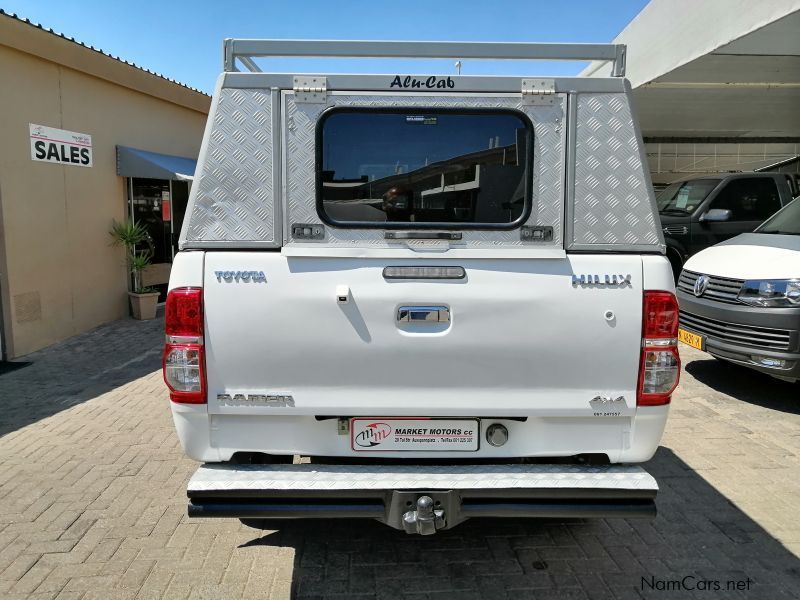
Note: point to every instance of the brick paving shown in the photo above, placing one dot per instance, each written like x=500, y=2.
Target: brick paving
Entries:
x=92, y=482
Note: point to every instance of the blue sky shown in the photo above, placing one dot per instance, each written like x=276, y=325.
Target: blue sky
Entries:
x=183, y=40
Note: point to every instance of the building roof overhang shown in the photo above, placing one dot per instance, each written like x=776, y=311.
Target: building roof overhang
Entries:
x=724, y=69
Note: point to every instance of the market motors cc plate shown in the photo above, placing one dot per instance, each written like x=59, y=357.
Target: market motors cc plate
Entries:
x=417, y=434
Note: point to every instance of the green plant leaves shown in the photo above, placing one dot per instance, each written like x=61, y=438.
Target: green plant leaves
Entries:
x=128, y=234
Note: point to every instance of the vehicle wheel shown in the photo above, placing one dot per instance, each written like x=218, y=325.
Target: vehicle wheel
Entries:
x=676, y=261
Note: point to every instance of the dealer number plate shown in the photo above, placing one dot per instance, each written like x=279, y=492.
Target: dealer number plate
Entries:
x=691, y=339
x=413, y=435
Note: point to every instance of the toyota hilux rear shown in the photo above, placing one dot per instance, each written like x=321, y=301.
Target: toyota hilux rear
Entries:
x=420, y=299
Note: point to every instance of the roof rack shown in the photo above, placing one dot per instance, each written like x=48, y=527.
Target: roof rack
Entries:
x=246, y=50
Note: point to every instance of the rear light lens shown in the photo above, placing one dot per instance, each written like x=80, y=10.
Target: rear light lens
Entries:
x=183, y=314
x=660, y=318
x=184, y=352
x=660, y=364
x=660, y=372
x=184, y=373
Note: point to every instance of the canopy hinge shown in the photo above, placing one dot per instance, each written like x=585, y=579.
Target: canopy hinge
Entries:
x=310, y=89
x=538, y=92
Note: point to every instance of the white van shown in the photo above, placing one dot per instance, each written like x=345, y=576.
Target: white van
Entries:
x=447, y=294
x=740, y=300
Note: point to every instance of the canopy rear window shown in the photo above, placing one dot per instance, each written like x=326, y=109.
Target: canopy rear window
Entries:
x=417, y=168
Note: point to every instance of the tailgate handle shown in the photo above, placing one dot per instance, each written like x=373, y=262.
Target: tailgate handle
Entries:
x=423, y=314
x=422, y=235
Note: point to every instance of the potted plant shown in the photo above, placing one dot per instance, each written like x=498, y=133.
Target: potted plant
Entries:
x=129, y=235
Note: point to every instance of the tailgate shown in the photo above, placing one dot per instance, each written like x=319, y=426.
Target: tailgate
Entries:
x=514, y=337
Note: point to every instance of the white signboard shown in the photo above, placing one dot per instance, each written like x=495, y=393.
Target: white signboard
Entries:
x=60, y=146
x=413, y=435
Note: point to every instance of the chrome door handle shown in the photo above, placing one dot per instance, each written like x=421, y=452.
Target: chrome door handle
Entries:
x=423, y=314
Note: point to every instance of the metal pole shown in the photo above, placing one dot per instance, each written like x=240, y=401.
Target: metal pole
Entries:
x=171, y=222
x=658, y=169
x=133, y=222
x=130, y=198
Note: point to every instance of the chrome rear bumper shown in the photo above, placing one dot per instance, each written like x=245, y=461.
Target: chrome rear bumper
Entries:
x=390, y=493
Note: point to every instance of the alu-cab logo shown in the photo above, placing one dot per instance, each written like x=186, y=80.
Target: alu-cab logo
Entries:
x=373, y=434
x=432, y=82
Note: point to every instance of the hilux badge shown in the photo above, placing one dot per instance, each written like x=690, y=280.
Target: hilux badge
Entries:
x=701, y=285
x=605, y=279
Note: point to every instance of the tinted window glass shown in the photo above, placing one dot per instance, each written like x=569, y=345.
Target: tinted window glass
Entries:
x=785, y=222
x=749, y=199
x=685, y=196
x=400, y=168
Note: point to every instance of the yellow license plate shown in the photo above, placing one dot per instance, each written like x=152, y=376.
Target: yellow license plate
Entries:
x=690, y=339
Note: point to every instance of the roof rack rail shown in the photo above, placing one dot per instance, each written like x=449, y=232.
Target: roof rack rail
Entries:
x=246, y=50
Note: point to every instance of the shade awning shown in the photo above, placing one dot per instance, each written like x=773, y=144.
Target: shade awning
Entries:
x=133, y=162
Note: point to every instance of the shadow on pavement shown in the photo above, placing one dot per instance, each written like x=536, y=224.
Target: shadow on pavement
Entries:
x=698, y=544
x=746, y=384
x=10, y=367
x=79, y=369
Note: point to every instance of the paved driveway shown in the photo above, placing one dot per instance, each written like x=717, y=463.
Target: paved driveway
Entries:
x=92, y=483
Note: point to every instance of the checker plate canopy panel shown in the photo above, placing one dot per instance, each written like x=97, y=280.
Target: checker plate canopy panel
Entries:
x=234, y=200
x=547, y=178
x=614, y=204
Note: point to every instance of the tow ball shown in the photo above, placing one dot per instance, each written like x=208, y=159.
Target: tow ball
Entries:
x=425, y=520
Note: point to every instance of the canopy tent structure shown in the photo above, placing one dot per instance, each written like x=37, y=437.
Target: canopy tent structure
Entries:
x=133, y=162
x=716, y=84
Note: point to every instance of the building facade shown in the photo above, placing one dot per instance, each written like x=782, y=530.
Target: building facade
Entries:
x=87, y=139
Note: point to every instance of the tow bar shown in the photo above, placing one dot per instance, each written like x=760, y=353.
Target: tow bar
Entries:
x=425, y=520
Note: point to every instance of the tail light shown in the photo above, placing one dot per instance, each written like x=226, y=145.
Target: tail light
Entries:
x=659, y=365
x=184, y=352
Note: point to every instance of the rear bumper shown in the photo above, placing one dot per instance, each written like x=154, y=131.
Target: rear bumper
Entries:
x=389, y=493
x=215, y=438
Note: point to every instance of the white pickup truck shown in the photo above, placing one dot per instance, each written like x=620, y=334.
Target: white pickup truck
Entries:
x=420, y=299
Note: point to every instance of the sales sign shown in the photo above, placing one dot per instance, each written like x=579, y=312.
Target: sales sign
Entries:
x=60, y=146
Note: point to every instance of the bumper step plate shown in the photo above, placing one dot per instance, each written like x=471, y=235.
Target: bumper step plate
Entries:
x=390, y=493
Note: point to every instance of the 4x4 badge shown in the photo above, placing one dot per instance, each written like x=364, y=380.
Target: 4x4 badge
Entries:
x=608, y=406
x=608, y=400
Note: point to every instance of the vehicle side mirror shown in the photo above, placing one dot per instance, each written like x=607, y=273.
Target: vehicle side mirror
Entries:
x=715, y=215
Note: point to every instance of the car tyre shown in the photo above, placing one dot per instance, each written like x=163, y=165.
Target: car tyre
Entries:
x=675, y=261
